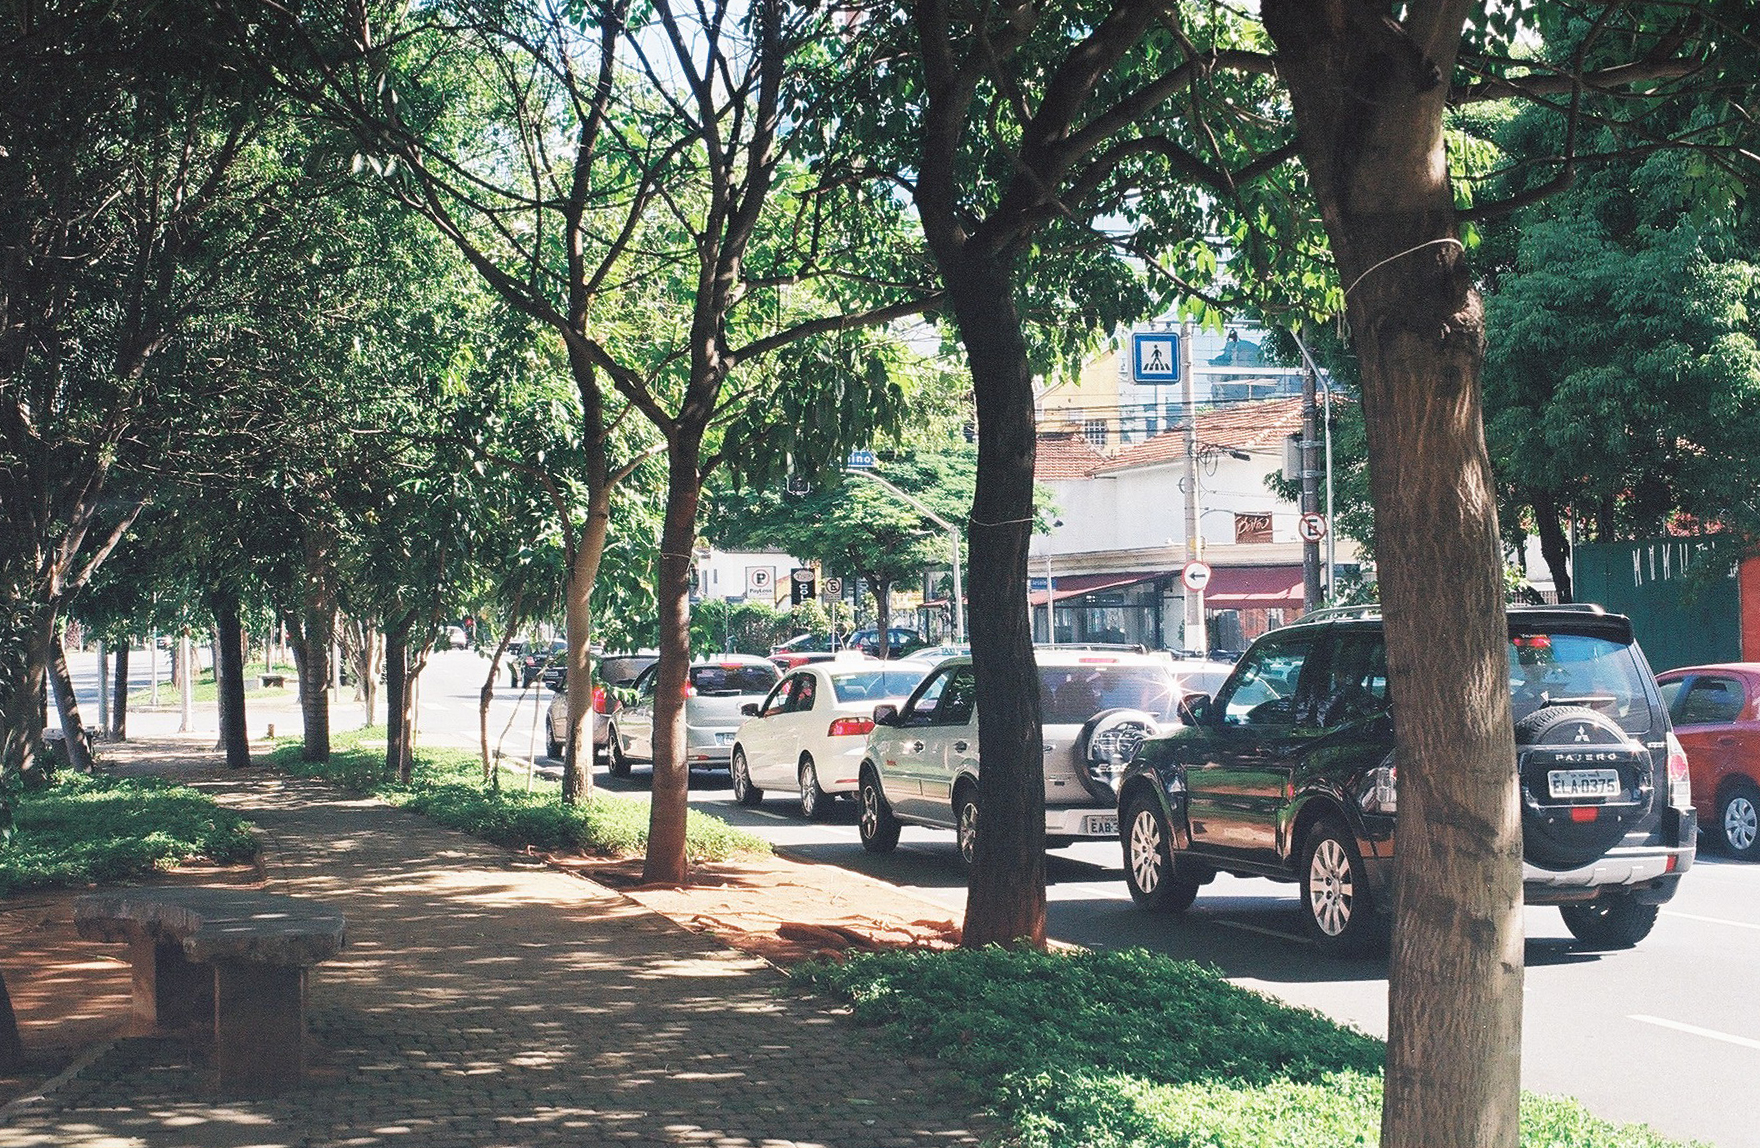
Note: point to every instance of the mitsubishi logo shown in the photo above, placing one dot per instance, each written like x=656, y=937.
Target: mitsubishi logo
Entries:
x=1582, y=733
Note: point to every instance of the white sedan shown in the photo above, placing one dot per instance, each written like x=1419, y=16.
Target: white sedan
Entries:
x=809, y=732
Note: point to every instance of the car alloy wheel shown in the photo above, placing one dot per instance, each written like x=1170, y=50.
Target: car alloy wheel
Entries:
x=1340, y=917
x=1331, y=891
x=619, y=763
x=813, y=796
x=966, y=822
x=878, y=826
x=1739, y=821
x=744, y=792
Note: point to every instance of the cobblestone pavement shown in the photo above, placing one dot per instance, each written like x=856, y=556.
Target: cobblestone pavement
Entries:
x=486, y=1003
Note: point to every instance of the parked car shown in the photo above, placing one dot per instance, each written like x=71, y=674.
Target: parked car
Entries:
x=714, y=692
x=1289, y=774
x=533, y=659
x=800, y=650
x=609, y=670
x=933, y=654
x=901, y=641
x=1716, y=714
x=921, y=762
x=808, y=735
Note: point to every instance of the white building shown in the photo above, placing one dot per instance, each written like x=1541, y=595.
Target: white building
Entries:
x=745, y=575
x=1113, y=562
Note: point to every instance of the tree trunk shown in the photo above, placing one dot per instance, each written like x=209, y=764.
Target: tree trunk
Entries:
x=11, y=1045
x=229, y=682
x=577, y=776
x=883, y=614
x=1369, y=112
x=79, y=746
x=666, y=862
x=397, y=695
x=21, y=708
x=486, y=695
x=119, y=701
x=1555, y=545
x=1005, y=903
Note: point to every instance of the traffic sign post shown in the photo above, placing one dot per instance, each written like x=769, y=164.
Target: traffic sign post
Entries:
x=761, y=583
x=1195, y=576
x=1312, y=527
x=860, y=460
x=833, y=589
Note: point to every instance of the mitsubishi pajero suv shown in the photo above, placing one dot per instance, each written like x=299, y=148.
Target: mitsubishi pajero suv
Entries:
x=1289, y=774
x=921, y=764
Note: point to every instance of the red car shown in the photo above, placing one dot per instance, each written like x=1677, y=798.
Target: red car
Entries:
x=1716, y=714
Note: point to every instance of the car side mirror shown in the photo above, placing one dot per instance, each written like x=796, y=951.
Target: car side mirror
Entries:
x=886, y=714
x=750, y=709
x=1197, y=709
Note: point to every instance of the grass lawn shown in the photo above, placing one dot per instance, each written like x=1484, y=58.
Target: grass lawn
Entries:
x=447, y=785
x=89, y=830
x=1131, y=1048
x=203, y=688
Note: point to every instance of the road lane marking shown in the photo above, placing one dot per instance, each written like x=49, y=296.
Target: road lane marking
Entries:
x=1695, y=1030
x=1710, y=920
x=1244, y=927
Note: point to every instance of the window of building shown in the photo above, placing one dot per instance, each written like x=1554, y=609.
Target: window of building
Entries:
x=1096, y=432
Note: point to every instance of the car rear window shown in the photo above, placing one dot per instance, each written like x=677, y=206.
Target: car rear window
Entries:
x=868, y=685
x=1070, y=695
x=733, y=678
x=1554, y=669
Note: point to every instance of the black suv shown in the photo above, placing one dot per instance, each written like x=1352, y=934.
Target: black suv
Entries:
x=1289, y=774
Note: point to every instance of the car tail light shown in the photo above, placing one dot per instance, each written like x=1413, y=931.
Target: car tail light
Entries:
x=689, y=691
x=1680, y=783
x=850, y=727
x=599, y=699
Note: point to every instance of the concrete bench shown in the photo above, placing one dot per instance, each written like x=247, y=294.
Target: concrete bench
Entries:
x=232, y=958
x=273, y=681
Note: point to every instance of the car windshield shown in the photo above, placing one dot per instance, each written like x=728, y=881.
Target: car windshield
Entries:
x=722, y=679
x=1070, y=695
x=868, y=685
x=1577, y=670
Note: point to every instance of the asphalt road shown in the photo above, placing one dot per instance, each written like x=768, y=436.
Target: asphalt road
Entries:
x=1666, y=1034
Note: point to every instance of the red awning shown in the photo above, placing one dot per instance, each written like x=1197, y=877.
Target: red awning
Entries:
x=1230, y=588
x=1254, y=588
x=1076, y=585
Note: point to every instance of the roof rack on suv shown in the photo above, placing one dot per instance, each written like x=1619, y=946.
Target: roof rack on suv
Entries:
x=1332, y=613
x=1574, y=607
x=1121, y=647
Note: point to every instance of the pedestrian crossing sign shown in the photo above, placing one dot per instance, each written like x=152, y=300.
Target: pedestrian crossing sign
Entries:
x=1155, y=357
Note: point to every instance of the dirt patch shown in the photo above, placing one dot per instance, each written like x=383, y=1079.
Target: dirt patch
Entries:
x=784, y=911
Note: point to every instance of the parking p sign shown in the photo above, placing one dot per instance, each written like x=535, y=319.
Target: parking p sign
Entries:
x=761, y=582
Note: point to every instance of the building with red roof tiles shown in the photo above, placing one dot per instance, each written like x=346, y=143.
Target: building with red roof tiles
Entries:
x=1111, y=567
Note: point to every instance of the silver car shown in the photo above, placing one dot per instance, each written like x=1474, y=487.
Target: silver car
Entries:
x=717, y=688
x=921, y=763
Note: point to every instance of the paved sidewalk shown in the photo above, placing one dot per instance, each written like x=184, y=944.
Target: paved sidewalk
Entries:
x=486, y=1003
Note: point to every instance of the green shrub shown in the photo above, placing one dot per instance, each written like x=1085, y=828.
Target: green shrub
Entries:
x=1117, y=1049
x=86, y=830
x=446, y=785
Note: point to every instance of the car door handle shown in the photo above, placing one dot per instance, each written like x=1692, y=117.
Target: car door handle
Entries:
x=1726, y=740
x=961, y=746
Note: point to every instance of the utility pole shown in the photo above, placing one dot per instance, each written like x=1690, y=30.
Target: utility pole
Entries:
x=1197, y=638
x=1311, y=596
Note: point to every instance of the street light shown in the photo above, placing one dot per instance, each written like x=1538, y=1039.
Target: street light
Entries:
x=959, y=605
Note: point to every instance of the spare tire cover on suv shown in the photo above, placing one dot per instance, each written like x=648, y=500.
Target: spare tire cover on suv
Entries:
x=1581, y=747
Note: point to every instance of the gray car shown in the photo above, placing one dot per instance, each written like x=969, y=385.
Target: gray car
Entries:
x=716, y=690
